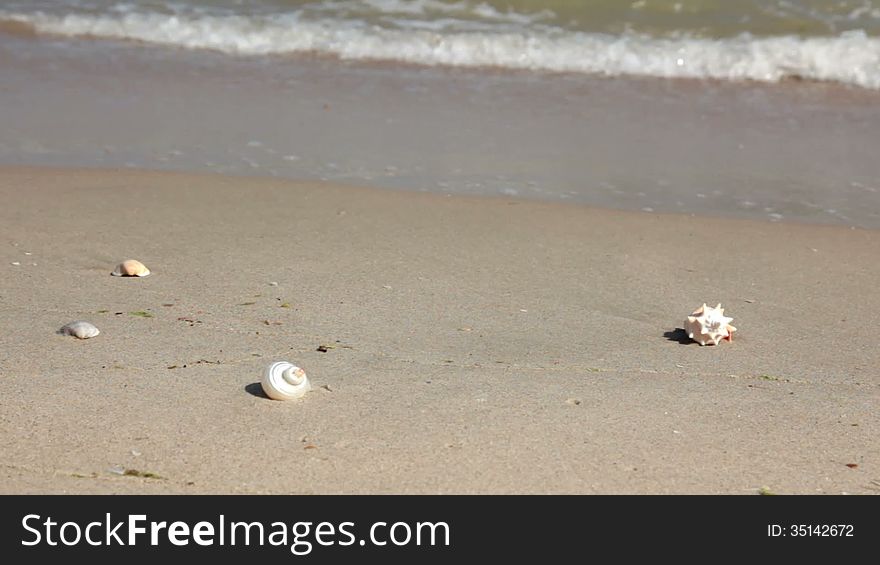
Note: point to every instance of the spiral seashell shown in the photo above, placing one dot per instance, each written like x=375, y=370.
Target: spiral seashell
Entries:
x=131, y=268
x=80, y=329
x=285, y=381
x=709, y=325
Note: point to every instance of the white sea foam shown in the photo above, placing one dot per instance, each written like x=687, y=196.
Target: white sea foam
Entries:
x=850, y=58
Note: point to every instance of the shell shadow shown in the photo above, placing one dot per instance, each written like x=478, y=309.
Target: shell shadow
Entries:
x=256, y=389
x=679, y=335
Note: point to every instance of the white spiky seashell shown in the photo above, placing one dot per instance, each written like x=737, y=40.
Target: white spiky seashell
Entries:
x=80, y=329
x=131, y=268
x=285, y=381
x=709, y=325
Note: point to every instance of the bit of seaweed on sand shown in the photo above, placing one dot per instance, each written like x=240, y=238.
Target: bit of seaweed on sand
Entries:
x=199, y=362
x=771, y=378
x=325, y=347
x=142, y=474
x=122, y=471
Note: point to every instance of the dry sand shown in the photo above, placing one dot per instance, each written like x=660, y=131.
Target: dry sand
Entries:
x=480, y=345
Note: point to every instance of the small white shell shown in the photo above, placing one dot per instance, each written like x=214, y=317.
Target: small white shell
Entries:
x=130, y=268
x=707, y=325
x=284, y=381
x=80, y=329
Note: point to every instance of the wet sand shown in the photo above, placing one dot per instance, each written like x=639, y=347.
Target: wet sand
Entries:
x=476, y=345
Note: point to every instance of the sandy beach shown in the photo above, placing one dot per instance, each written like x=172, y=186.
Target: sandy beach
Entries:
x=473, y=345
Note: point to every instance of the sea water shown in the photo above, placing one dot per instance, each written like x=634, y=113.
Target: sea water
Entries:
x=749, y=39
x=761, y=109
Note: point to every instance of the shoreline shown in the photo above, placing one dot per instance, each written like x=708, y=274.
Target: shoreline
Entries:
x=476, y=345
x=354, y=186
x=800, y=152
